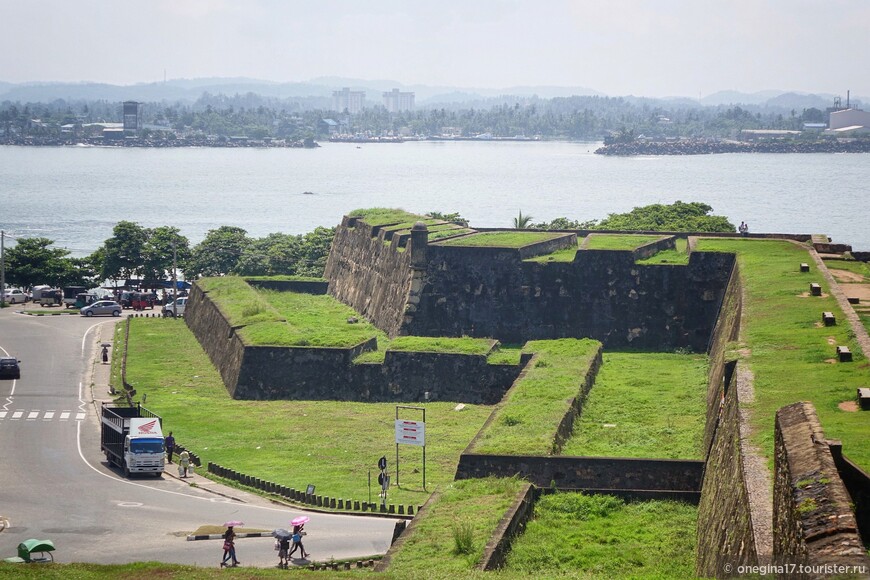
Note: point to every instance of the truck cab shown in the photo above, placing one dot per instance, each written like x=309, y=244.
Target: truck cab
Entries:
x=133, y=440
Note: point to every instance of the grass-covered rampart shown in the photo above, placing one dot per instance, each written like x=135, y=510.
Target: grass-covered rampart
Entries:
x=286, y=441
x=599, y=536
x=644, y=404
x=617, y=241
x=526, y=420
x=449, y=541
x=273, y=318
x=790, y=352
x=506, y=239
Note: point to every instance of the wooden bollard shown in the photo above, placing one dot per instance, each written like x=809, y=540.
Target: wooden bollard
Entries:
x=815, y=289
x=805, y=267
x=829, y=319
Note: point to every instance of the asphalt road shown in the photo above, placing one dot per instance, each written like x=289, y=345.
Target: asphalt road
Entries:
x=55, y=483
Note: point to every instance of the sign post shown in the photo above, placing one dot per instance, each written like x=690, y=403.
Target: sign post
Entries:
x=411, y=433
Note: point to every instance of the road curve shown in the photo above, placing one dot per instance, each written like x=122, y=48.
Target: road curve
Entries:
x=55, y=484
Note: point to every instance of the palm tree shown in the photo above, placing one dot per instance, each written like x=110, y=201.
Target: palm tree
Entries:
x=522, y=222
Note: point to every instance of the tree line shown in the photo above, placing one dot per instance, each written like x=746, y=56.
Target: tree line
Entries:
x=583, y=118
x=149, y=254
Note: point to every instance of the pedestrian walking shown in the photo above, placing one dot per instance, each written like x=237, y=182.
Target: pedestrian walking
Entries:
x=297, y=542
x=170, y=446
x=229, y=548
x=183, y=463
x=283, y=551
x=105, y=355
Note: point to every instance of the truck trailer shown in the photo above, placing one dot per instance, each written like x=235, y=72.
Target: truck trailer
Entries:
x=132, y=439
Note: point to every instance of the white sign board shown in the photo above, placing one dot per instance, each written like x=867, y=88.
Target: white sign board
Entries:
x=410, y=432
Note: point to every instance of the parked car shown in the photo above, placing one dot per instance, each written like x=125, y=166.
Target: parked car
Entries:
x=9, y=368
x=102, y=308
x=16, y=296
x=176, y=307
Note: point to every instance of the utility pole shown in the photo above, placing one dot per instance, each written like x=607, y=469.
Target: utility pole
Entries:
x=2, y=269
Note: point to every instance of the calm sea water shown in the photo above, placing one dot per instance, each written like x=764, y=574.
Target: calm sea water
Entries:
x=76, y=195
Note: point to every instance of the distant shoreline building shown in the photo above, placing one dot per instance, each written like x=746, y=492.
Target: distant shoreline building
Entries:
x=348, y=100
x=397, y=101
x=132, y=116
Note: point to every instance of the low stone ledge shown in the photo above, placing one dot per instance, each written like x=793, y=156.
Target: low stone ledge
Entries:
x=813, y=521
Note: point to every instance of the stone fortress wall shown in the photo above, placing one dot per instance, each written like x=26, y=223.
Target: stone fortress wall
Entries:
x=407, y=286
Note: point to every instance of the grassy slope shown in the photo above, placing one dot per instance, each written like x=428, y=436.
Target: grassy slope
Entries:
x=527, y=418
x=618, y=242
x=377, y=216
x=429, y=552
x=789, y=347
x=573, y=535
x=508, y=239
x=676, y=256
x=463, y=345
x=644, y=405
x=312, y=320
x=284, y=441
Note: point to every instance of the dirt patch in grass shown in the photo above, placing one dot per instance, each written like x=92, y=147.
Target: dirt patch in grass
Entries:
x=848, y=406
x=846, y=276
x=860, y=291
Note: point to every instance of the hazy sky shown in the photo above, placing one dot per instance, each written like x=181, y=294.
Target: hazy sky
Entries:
x=619, y=47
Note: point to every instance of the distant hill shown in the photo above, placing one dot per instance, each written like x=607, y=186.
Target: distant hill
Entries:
x=319, y=90
x=192, y=89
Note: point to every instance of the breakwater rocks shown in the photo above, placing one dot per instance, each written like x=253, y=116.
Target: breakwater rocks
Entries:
x=140, y=142
x=706, y=147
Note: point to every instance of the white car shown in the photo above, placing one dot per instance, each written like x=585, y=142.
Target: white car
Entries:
x=176, y=307
x=16, y=296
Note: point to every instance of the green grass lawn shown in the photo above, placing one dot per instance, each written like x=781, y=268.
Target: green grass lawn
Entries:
x=644, y=405
x=241, y=303
x=618, y=241
x=429, y=551
x=789, y=351
x=678, y=255
x=850, y=266
x=379, y=216
x=506, y=354
x=285, y=441
x=527, y=418
x=274, y=318
x=441, y=234
x=563, y=255
x=463, y=345
x=581, y=536
x=506, y=239
x=312, y=320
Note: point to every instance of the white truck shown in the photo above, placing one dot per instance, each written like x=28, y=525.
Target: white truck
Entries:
x=132, y=439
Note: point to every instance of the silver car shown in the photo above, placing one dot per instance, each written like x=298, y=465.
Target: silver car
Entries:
x=103, y=307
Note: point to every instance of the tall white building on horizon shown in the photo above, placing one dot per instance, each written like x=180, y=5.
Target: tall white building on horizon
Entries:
x=396, y=101
x=348, y=100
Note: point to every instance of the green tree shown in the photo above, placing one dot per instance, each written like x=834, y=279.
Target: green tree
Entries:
x=453, y=218
x=34, y=261
x=276, y=254
x=677, y=217
x=157, y=252
x=123, y=251
x=314, y=251
x=219, y=253
x=522, y=221
x=563, y=223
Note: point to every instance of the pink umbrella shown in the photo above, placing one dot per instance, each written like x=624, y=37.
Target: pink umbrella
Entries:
x=299, y=521
x=233, y=523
